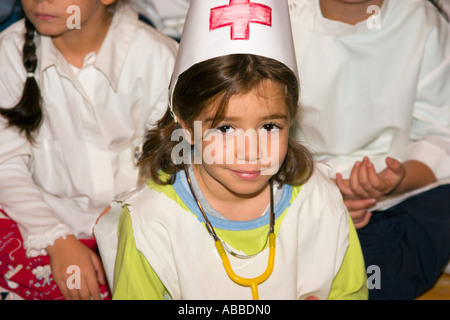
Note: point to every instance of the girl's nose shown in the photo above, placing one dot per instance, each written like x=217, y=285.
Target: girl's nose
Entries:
x=247, y=147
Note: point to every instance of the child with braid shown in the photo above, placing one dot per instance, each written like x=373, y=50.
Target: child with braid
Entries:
x=79, y=85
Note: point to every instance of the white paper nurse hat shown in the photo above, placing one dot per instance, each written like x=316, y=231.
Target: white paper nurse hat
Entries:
x=216, y=28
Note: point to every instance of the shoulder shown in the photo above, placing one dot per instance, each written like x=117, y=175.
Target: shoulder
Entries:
x=302, y=13
x=301, y=6
x=321, y=194
x=14, y=31
x=13, y=72
x=145, y=194
x=136, y=39
x=153, y=200
x=12, y=40
x=321, y=181
x=143, y=209
x=417, y=12
x=146, y=37
x=156, y=37
x=421, y=20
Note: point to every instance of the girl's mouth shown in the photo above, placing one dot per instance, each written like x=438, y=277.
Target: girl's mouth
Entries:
x=44, y=16
x=247, y=175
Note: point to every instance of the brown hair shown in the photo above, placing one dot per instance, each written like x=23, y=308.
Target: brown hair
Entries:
x=218, y=79
x=27, y=114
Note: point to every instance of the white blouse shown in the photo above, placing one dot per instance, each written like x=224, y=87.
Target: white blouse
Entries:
x=377, y=92
x=94, y=122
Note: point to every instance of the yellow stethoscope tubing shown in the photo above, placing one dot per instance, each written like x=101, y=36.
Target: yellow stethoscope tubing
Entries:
x=249, y=282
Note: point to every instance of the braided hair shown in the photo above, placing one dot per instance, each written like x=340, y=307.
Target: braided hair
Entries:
x=27, y=114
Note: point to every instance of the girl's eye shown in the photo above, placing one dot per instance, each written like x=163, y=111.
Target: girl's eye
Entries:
x=225, y=129
x=270, y=127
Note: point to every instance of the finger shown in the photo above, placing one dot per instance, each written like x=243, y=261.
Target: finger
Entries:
x=62, y=286
x=74, y=294
x=374, y=178
x=362, y=176
x=343, y=186
x=360, y=204
x=99, y=270
x=396, y=166
x=358, y=215
x=93, y=287
x=84, y=291
x=358, y=210
x=354, y=181
x=363, y=222
x=89, y=288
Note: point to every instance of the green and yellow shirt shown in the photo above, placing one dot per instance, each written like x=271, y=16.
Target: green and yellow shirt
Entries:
x=165, y=252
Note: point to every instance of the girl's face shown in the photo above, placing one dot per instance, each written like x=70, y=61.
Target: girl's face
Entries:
x=56, y=17
x=242, y=152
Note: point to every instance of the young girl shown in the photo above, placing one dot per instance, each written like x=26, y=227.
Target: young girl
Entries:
x=238, y=216
x=79, y=85
x=379, y=113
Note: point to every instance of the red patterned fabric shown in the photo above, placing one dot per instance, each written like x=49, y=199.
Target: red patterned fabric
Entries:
x=30, y=278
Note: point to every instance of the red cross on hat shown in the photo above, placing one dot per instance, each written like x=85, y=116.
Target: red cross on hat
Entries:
x=238, y=15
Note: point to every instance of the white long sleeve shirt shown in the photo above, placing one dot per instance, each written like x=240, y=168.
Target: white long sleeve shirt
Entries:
x=94, y=121
x=373, y=89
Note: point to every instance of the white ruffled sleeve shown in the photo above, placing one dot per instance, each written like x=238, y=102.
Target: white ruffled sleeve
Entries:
x=23, y=202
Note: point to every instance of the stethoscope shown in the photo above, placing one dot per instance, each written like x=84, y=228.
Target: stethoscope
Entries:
x=222, y=248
